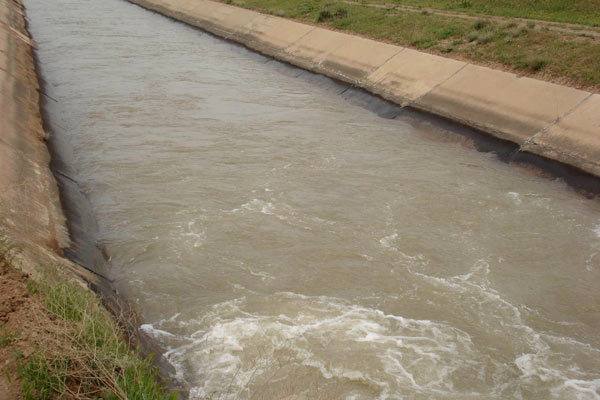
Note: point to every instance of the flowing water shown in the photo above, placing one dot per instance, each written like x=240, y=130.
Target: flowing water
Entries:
x=283, y=242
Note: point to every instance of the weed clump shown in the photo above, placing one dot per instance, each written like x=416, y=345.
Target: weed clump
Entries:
x=324, y=15
x=327, y=15
x=520, y=31
x=480, y=24
x=43, y=379
x=537, y=64
x=6, y=337
x=447, y=48
x=472, y=36
x=485, y=38
x=533, y=64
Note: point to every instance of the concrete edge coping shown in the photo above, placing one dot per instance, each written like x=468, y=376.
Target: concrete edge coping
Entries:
x=543, y=118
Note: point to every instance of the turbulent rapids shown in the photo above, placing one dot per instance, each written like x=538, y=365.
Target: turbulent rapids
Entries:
x=282, y=241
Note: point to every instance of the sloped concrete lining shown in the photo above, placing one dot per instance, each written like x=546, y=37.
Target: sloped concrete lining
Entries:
x=550, y=120
x=222, y=21
x=357, y=58
x=311, y=49
x=31, y=214
x=411, y=74
x=29, y=201
x=272, y=35
x=574, y=139
x=503, y=104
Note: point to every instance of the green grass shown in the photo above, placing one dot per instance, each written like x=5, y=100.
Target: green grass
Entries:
x=76, y=349
x=519, y=46
x=88, y=352
x=42, y=378
x=584, y=12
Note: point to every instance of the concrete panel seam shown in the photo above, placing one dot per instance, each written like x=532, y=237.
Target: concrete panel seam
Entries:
x=530, y=142
x=416, y=101
x=324, y=56
x=299, y=39
x=246, y=28
x=383, y=65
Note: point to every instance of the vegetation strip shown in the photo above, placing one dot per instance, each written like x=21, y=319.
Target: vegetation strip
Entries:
x=584, y=12
x=62, y=343
x=524, y=47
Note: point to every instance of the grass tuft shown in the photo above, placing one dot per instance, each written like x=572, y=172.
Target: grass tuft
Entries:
x=6, y=338
x=328, y=14
x=75, y=349
x=480, y=24
x=324, y=15
x=88, y=353
x=485, y=38
x=43, y=379
x=536, y=64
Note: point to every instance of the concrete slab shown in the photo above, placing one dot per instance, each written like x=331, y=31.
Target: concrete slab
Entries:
x=29, y=203
x=357, y=58
x=3, y=49
x=272, y=35
x=186, y=6
x=503, y=104
x=312, y=48
x=574, y=139
x=3, y=61
x=193, y=12
x=224, y=20
x=410, y=74
x=4, y=15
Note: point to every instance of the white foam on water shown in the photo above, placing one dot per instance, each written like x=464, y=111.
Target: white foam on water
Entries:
x=246, y=341
x=196, y=236
x=150, y=330
x=262, y=206
x=281, y=211
x=390, y=242
x=549, y=362
x=388, y=354
x=515, y=197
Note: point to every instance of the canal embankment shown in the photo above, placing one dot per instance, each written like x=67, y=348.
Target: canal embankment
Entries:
x=56, y=336
x=557, y=122
x=279, y=237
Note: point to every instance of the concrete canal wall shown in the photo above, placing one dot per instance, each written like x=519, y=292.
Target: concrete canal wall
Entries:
x=554, y=121
x=31, y=216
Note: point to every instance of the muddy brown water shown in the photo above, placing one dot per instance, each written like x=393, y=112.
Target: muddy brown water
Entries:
x=283, y=242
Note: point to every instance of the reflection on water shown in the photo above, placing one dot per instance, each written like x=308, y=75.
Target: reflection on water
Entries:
x=282, y=242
